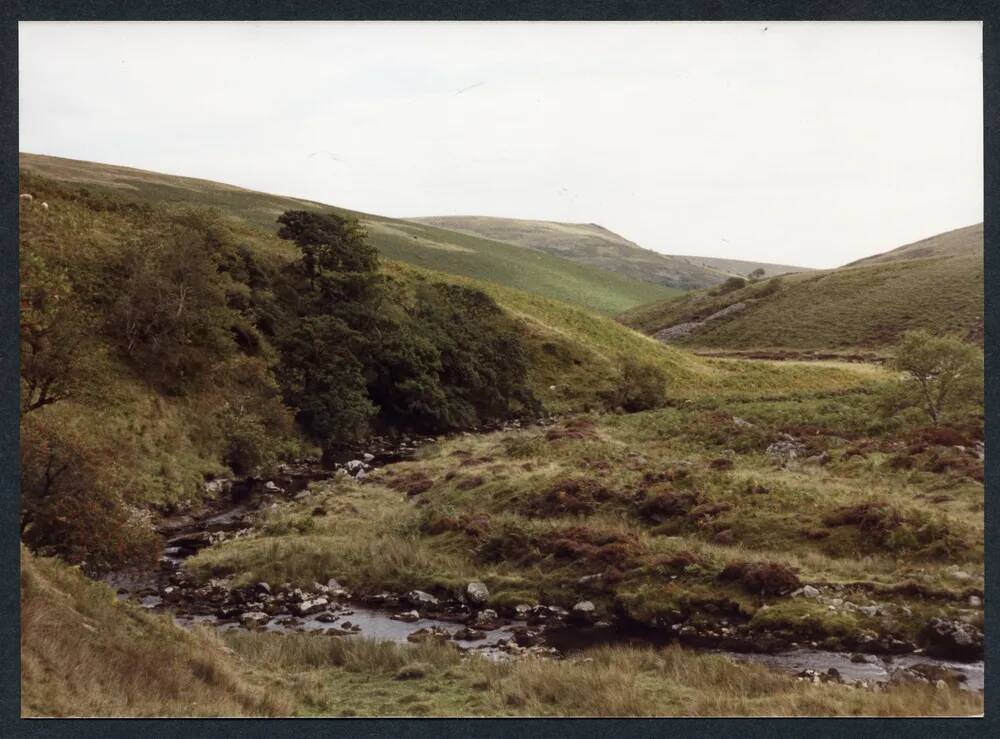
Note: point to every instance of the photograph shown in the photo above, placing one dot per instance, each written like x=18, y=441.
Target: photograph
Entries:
x=498, y=369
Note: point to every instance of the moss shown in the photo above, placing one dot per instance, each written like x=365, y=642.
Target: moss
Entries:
x=807, y=619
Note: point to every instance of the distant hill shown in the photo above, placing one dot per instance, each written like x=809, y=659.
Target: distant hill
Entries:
x=936, y=284
x=968, y=241
x=423, y=245
x=597, y=246
x=743, y=268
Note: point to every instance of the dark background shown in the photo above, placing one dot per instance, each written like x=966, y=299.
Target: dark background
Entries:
x=11, y=11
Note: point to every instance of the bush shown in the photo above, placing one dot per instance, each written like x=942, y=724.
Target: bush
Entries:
x=942, y=376
x=730, y=285
x=640, y=386
x=71, y=503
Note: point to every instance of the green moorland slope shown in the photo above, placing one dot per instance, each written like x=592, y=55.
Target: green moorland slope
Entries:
x=167, y=441
x=866, y=306
x=596, y=290
x=962, y=241
x=591, y=244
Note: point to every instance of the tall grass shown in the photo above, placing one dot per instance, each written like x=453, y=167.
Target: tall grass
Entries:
x=85, y=654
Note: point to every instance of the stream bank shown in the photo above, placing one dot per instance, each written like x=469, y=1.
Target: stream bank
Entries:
x=545, y=631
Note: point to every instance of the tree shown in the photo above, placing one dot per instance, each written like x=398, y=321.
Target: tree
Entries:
x=757, y=274
x=328, y=242
x=324, y=380
x=52, y=333
x=171, y=310
x=941, y=375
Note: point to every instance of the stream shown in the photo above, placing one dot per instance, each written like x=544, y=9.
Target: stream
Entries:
x=542, y=632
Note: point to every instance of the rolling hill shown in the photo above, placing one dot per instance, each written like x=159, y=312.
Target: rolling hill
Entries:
x=422, y=245
x=936, y=284
x=596, y=246
x=967, y=241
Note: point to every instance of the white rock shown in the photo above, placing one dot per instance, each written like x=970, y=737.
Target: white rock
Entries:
x=477, y=593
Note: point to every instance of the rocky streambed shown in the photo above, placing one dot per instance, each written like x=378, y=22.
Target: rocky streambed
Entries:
x=538, y=630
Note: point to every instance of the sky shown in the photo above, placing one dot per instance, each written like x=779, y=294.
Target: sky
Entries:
x=810, y=144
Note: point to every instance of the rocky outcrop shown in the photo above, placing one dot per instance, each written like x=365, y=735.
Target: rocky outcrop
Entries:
x=683, y=330
x=949, y=639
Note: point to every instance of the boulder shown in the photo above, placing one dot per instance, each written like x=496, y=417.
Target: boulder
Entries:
x=477, y=593
x=354, y=467
x=407, y=616
x=950, y=639
x=807, y=591
x=429, y=634
x=485, y=619
x=584, y=611
x=467, y=634
x=786, y=450
x=254, y=619
x=420, y=598
x=313, y=605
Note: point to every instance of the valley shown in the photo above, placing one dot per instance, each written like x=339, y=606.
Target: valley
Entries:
x=401, y=470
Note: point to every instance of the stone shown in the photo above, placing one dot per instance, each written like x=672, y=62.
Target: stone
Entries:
x=485, y=619
x=420, y=598
x=429, y=634
x=313, y=605
x=807, y=591
x=254, y=619
x=522, y=610
x=332, y=584
x=950, y=639
x=975, y=601
x=354, y=467
x=467, y=634
x=785, y=450
x=525, y=637
x=407, y=616
x=961, y=575
x=477, y=593
x=870, y=611
x=367, y=457
x=584, y=611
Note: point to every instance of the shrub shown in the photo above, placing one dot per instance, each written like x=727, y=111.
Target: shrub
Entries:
x=942, y=376
x=640, y=386
x=71, y=503
x=730, y=285
x=767, y=578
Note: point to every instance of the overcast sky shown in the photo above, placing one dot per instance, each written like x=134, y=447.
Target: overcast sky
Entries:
x=805, y=143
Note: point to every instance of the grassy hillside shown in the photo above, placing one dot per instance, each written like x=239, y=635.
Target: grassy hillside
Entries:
x=966, y=241
x=596, y=290
x=591, y=244
x=742, y=267
x=575, y=357
x=866, y=306
x=83, y=653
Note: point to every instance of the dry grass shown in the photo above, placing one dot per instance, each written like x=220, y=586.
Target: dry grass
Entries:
x=676, y=682
x=85, y=654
